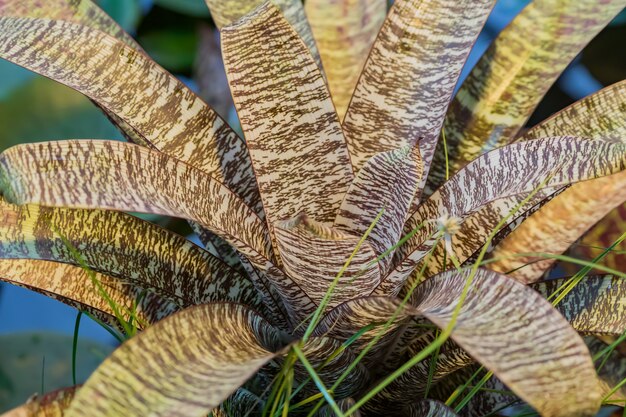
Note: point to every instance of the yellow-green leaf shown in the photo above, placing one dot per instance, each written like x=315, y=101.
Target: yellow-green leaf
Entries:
x=344, y=31
x=515, y=170
x=508, y=82
x=408, y=78
x=184, y=365
x=566, y=217
x=295, y=139
x=226, y=12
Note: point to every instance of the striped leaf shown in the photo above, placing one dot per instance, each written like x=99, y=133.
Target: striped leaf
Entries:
x=344, y=31
x=518, y=335
x=295, y=139
x=611, y=368
x=595, y=306
x=184, y=365
x=313, y=255
x=495, y=396
x=515, y=170
x=226, y=12
x=408, y=78
x=77, y=288
x=353, y=316
x=600, y=116
x=388, y=182
x=83, y=12
x=326, y=355
x=344, y=405
x=121, y=176
x=508, y=82
x=125, y=82
x=592, y=307
x=430, y=408
x=52, y=404
x=126, y=247
x=565, y=218
x=241, y=404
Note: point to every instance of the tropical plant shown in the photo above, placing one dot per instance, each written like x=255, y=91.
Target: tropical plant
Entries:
x=357, y=282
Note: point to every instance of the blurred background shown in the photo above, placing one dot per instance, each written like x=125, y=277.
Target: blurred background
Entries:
x=36, y=332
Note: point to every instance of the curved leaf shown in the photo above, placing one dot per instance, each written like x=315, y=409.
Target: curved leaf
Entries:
x=518, y=335
x=344, y=32
x=430, y=408
x=126, y=247
x=76, y=287
x=611, y=369
x=600, y=116
x=565, y=218
x=184, y=365
x=83, y=12
x=52, y=404
x=519, y=67
x=594, y=306
x=241, y=404
x=344, y=405
x=295, y=139
x=127, y=83
x=226, y=12
x=515, y=170
x=426, y=43
x=314, y=254
x=122, y=176
x=330, y=360
x=388, y=181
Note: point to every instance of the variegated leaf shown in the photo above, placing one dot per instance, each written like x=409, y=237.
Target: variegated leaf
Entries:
x=52, y=404
x=184, y=365
x=83, y=12
x=565, y=218
x=121, y=176
x=126, y=247
x=596, y=305
x=295, y=139
x=344, y=31
x=351, y=317
x=518, y=335
x=430, y=408
x=329, y=359
x=241, y=404
x=515, y=170
x=600, y=116
x=344, y=405
x=494, y=397
x=426, y=43
x=387, y=182
x=314, y=254
x=510, y=79
x=77, y=288
x=611, y=369
x=127, y=83
x=226, y=12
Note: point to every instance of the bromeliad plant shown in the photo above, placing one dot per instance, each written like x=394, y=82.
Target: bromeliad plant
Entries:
x=342, y=225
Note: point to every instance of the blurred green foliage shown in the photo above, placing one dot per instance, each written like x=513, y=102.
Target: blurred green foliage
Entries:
x=22, y=369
